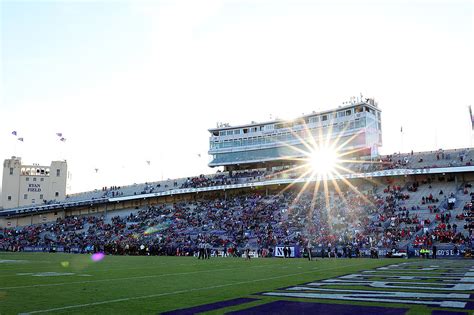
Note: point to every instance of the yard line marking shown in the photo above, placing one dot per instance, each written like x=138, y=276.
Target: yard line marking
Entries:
x=132, y=278
x=100, y=269
x=178, y=292
x=106, y=269
x=115, y=279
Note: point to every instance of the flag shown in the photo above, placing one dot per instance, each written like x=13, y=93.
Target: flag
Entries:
x=59, y=134
x=401, y=129
x=199, y=154
x=20, y=139
x=472, y=118
x=62, y=139
x=148, y=162
x=14, y=133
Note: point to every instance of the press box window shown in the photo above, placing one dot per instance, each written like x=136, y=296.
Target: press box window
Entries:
x=25, y=196
x=11, y=170
x=58, y=172
x=56, y=194
x=9, y=198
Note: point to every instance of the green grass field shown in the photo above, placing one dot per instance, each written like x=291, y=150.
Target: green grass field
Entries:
x=71, y=283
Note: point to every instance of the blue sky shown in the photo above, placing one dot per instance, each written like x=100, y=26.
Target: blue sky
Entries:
x=131, y=81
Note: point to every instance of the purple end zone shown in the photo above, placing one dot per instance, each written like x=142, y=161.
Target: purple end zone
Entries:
x=291, y=307
x=470, y=304
x=210, y=307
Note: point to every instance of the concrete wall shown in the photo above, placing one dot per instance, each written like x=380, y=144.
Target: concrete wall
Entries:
x=31, y=219
x=11, y=182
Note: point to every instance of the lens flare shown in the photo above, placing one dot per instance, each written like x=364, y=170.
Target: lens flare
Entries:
x=323, y=161
x=151, y=230
x=157, y=228
x=320, y=160
x=97, y=257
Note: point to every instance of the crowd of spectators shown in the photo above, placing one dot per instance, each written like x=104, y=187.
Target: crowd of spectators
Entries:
x=236, y=223
x=432, y=159
x=227, y=178
x=367, y=217
x=440, y=158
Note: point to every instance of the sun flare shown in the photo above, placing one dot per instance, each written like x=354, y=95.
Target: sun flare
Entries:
x=323, y=161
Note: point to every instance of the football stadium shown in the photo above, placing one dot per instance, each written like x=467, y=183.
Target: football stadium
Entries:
x=306, y=217
x=307, y=214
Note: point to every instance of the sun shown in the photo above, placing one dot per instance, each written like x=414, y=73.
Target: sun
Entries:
x=320, y=163
x=323, y=161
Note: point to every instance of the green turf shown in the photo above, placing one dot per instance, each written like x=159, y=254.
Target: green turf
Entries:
x=149, y=285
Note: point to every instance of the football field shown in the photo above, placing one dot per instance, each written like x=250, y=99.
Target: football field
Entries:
x=76, y=284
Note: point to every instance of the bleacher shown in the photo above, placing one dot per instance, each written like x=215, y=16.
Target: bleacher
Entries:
x=432, y=159
x=398, y=214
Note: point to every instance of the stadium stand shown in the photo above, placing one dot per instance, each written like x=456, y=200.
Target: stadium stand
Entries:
x=342, y=221
x=431, y=159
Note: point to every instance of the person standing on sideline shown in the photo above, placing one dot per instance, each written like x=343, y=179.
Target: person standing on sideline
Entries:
x=204, y=250
x=247, y=254
x=434, y=252
x=308, y=250
x=208, y=250
x=201, y=251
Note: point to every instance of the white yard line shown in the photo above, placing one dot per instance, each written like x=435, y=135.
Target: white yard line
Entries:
x=92, y=271
x=180, y=291
x=88, y=263
x=101, y=269
x=115, y=279
x=132, y=278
